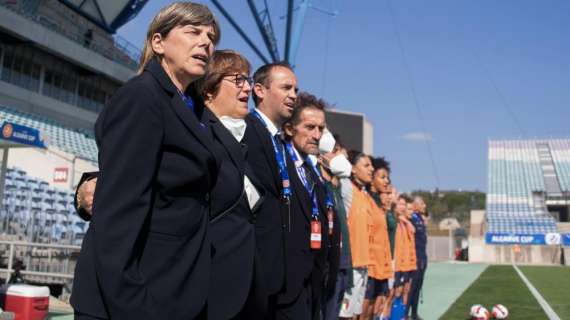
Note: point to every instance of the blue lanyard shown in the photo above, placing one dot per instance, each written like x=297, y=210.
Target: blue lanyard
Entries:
x=303, y=177
x=328, y=199
x=280, y=157
x=189, y=102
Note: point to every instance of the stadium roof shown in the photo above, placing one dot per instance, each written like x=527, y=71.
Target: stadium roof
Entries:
x=109, y=15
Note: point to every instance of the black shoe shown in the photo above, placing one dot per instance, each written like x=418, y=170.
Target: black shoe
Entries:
x=416, y=318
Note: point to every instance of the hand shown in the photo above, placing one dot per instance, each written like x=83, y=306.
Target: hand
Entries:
x=85, y=195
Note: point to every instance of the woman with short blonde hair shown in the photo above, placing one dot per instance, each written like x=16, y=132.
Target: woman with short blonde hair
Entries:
x=147, y=253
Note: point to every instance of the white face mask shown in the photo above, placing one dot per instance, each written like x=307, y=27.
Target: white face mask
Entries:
x=340, y=166
x=235, y=126
x=327, y=142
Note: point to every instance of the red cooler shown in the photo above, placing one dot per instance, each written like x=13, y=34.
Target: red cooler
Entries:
x=27, y=302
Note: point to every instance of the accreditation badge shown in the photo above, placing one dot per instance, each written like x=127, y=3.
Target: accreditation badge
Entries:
x=316, y=234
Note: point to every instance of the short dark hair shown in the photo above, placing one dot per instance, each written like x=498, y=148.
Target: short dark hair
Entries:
x=263, y=75
x=304, y=101
x=354, y=156
x=405, y=197
x=381, y=163
x=338, y=141
x=222, y=63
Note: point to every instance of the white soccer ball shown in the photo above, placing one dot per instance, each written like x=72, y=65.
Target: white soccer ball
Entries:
x=474, y=309
x=481, y=313
x=500, y=311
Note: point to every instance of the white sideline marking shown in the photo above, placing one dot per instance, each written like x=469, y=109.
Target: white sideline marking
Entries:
x=545, y=306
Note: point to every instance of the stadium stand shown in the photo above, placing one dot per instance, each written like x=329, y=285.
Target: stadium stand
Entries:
x=33, y=210
x=515, y=199
x=37, y=212
x=77, y=142
x=561, y=155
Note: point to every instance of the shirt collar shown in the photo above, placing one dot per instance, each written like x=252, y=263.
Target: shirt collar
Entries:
x=300, y=159
x=270, y=125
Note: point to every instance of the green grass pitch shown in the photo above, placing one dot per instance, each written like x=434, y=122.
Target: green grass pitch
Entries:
x=502, y=285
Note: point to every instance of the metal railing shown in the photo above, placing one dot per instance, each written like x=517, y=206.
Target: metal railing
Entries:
x=119, y=50
x=12, y=246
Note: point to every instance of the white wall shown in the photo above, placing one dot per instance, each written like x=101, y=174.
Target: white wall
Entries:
x=41, y=164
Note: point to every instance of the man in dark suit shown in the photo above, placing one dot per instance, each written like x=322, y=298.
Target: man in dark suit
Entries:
x=275, y=92
x=308, y=241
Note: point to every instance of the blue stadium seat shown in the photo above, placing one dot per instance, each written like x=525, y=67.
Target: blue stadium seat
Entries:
x=514, y=174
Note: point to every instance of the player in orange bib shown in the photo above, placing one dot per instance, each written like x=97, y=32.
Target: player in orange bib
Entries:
x=380, y=268
x=380, y=264
x=359, y=220
x=404, y=253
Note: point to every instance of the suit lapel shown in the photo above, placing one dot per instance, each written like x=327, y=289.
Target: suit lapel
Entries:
x=232, y=146
x=188, y=118
x=301, y=193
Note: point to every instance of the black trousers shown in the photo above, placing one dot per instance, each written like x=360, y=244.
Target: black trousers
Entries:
x=299, y=309
x=417, y=283
x=83, y=316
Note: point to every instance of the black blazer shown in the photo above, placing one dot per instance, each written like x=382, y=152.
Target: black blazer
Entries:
x=304, y=265
x=333, y=252
x=146, y=254
x=232, y=228
x=325, y=270
x=270, y=220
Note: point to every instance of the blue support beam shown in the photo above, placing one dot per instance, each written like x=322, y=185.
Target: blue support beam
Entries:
x=265, y=30
x=290, y=4
x=240, y=31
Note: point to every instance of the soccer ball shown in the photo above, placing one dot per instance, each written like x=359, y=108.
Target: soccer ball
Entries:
x=478, y=312
x=500, y=311
x=474, y=309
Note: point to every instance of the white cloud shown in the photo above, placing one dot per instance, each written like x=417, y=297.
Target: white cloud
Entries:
x=417, y=137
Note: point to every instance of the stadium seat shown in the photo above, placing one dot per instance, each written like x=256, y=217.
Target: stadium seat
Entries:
x=39, y=212
x=514, y=175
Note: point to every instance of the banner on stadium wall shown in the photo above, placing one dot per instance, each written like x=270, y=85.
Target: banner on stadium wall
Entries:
x=22, y=135
x=60, y=174
x=536, y=239
x=566, y=239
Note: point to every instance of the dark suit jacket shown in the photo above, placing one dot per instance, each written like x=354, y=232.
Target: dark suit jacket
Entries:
x=304, y=265
x=333, y=254
x=326, y=261
x=270, y=221
x=232, y=228
x=147, y=252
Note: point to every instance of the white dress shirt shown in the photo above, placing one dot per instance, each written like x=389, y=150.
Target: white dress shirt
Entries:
x=237, y=129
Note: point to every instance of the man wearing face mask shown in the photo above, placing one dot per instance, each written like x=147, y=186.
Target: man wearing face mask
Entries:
x=335, y=166
x=307, y=240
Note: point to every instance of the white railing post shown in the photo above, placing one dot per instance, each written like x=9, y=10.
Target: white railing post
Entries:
x=10, y=262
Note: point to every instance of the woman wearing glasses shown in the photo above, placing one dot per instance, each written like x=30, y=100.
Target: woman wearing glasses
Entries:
x=226, y=88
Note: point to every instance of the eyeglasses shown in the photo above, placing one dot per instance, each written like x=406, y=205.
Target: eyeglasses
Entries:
x=239, y=80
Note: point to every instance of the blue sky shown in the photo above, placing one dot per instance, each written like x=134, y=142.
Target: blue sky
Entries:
x=480, y=69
